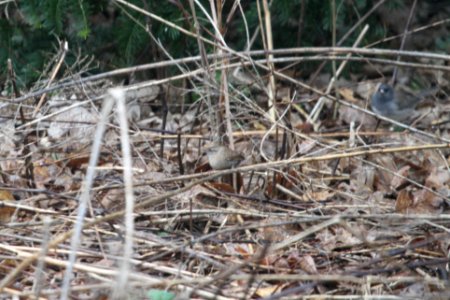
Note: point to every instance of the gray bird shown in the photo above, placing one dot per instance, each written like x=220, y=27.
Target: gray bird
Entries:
x=396, y=104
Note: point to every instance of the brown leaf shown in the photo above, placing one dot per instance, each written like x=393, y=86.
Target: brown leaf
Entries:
x=264, y=292
x=385, y=177
x=273, y=234
x=427, y=202
x=365, y=89
x=318, y=196
x=113, y=200
x=327, y=240
x=344, y=237
x=404, y=201
x=223, y=187
x=347, y=94
x=6, y=212
x=438, y=179
x=307, y=264
x=239, y=249
x=419, y=202
x=45, y=171
x=397, y=180
x=348, y=115
x=304, y=127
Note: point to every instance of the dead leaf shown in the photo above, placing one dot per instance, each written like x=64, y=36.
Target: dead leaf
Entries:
x=113, y=200
x=348, y=115
x=239, y=249
x=384, y=178
x=45, y=171
x=78, y=122
x=366, y=89
x=318, y=196
x=345, y=237
x=347, y=94
x=307, y=264
x=223, y=187
x=6, y=212
x=438, y=179
x=398, y=180
x=272, y=234
x=327, y=240
x=404, y=202
x=427, y=202
x=304, y=127
x=418, y=202
x=269, y=290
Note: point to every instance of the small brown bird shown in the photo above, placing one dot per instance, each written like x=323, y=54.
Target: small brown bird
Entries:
x=222, y=157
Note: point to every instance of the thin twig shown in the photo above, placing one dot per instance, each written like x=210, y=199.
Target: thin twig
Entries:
x=402, y=45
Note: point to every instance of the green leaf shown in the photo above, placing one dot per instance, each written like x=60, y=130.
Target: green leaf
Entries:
x=160, y=295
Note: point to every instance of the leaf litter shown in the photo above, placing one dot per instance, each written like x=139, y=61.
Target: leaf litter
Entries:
x=372, y=223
